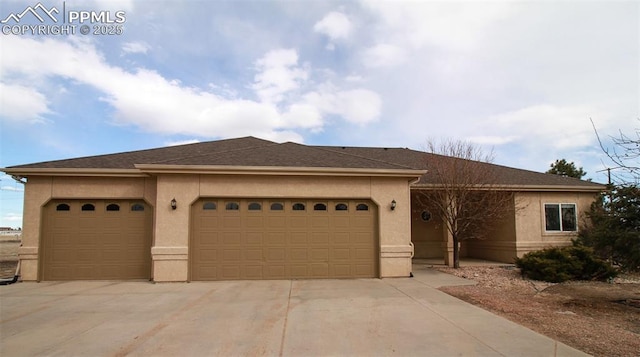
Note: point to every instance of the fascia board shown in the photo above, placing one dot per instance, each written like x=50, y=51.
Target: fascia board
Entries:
x=522, y=188
x=26, y=172
x=276, y=170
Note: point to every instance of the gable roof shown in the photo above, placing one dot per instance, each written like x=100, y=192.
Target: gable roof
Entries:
x=249, y=153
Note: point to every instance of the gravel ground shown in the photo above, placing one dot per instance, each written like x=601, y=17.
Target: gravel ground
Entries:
x=601, y=319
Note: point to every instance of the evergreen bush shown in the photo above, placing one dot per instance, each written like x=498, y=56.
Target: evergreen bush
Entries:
x=556, y=265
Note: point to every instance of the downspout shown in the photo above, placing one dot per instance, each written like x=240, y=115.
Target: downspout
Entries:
x=413, y=248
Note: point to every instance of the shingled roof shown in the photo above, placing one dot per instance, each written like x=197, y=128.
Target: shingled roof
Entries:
x=254, y=152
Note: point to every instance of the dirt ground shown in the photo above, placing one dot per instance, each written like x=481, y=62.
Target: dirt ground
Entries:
x=8, y=255
x=602, y=319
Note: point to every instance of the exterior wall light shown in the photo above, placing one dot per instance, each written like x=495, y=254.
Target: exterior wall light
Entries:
x=174, y=204
x=393, y=205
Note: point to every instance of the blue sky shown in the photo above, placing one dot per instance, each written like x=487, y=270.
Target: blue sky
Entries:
x=520, y=78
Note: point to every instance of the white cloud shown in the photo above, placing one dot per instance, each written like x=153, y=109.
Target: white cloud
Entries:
x=551, y=126
x=12, y=217
x=358, y=106
x=335, y=25
x=278, y=75
x=12, y=188
x=384, y=55
x=451, y=25
x=22, y=103
x=182, y=142
x=136, y=47
x=491, y=140
x=146, y=99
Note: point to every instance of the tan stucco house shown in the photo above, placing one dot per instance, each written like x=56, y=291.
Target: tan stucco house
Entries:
x=248, y=208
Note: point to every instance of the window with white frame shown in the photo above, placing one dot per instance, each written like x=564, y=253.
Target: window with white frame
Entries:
x=560, y=217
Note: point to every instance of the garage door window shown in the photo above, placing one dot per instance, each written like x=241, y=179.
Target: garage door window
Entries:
x=232, y=206
x=277, y=206
x=362, y=207
x=63, y=207
x=88, y=207
x=255, y=206
x=342, y=207
x=298, y=206
x=209, y=206
x=137, y=207
x=320, y=207
x=113, y=207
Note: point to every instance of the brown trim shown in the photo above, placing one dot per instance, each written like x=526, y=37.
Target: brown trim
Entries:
x=523, y=188
x=278, y=170
x=75, y=172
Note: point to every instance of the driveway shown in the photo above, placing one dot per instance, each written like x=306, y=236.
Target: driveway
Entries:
x=368, y=317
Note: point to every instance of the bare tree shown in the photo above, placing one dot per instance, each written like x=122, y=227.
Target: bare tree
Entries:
x=463, y=189
x=625, y=153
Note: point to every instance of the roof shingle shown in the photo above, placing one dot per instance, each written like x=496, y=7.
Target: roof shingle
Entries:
x=250, y=151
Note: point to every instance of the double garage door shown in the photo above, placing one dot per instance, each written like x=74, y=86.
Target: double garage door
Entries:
x=283, y=239
x=96, y=240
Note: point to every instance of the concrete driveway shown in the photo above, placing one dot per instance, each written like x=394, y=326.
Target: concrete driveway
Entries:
x=369, y=317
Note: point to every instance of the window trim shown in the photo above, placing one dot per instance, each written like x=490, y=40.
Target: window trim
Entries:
x=559, y=207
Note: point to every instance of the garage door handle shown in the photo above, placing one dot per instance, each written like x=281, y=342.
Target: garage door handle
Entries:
x=413, y=250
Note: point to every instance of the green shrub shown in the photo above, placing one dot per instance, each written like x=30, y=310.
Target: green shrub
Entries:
x=556, y=265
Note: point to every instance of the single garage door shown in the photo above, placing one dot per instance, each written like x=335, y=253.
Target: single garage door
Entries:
x=96, y=240
x=283, y=239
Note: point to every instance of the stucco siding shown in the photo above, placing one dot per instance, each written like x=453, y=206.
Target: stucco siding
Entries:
x=530, y=220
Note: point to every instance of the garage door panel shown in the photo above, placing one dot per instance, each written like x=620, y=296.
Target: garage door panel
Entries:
x=277, y=222
x=231, y=255
x=319, y=239
x=319, y=270
x=276, y=254
x=341, y=238
x=232, y=222
x=341, y=222
x=341, y=271
x=253, y=238
x=277, y=238
x=253, y=254
x=361, y=238
x=318, y=255
x=299, y=271
x=338, y=254
x=208, y=255
x=319, y=223
x=208, y=223
x=298, y=254
x=275, y=271
x=231, y=238
x=95, y=244
x=253, y=272
x=254, y=222
x=274, y=241
x=298, y=238
x=297, y=221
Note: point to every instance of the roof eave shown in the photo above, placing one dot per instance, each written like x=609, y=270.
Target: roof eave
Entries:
x=525, y=188
x=277, y=171
x=84, y=172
